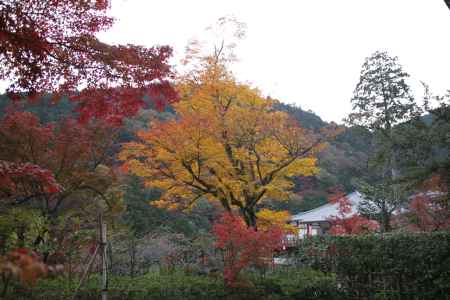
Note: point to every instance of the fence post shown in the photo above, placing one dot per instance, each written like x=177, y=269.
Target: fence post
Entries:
x=104, y=259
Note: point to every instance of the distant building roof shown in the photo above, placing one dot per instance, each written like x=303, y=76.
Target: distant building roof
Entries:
x=324, y=212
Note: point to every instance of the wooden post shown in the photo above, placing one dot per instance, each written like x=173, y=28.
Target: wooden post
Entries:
x=86, y=271
x=104, y=260
x=100, y=247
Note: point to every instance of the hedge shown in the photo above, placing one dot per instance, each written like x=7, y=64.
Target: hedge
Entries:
x=303, y=284
x=392, y=266
x=389, y=266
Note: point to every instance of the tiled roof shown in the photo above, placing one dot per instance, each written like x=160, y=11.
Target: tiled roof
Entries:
x=324, y=212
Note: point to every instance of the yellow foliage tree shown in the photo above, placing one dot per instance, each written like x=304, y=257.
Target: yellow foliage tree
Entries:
x=267, y=218
x=226, y=144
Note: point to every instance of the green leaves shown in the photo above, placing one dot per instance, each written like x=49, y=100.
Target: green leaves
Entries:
x=382, y=97
x=401, y=264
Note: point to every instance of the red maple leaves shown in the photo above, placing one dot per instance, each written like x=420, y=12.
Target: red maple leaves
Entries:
x=34, y=156
x=22, y=176
x=243, y=246
x=50, y=46
x=429, y=213
x=346, y=222
x=15, y=178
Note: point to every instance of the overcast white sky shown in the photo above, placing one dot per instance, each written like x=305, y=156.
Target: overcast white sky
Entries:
x=306, y=52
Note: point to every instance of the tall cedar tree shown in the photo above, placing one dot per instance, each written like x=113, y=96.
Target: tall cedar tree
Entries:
x=381, y=100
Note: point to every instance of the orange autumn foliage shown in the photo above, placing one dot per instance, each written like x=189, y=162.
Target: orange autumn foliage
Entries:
x=227, y=144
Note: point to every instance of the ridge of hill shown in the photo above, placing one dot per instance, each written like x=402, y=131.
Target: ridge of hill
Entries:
x=340, y=163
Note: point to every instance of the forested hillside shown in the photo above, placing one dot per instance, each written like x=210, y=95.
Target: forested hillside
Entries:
x=181, y=178
x=345, y=159
x=342, y=160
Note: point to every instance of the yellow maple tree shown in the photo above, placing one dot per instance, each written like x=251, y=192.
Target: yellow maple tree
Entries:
x=266, y=218
x=226, y=144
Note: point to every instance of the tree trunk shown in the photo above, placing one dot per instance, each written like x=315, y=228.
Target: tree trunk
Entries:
x=386, y=222
x=104, y=261
x=21, y=236
x=132, y=253
x=249, y=217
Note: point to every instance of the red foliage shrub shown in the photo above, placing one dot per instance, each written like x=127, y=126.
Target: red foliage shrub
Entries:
x=26, y=266
x=429, y=213
x=16, y=177
x=244, y=246
x=346, y=222
x=38, y=160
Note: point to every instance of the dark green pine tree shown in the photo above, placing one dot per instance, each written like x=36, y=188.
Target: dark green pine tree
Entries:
x=382, y=99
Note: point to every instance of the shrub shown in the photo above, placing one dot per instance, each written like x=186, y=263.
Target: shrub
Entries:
x=150, y=286
x=390, y=266
x=305, y=284
x=301, y=284
x=244, y=246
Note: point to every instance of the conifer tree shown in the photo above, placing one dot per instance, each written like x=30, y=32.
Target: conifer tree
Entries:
x=381, y=100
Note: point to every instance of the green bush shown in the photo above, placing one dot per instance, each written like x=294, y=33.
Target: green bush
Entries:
x=394, y=266
x=390, y=266
x=304, y=284
x=301, y=284
x=150, y=286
